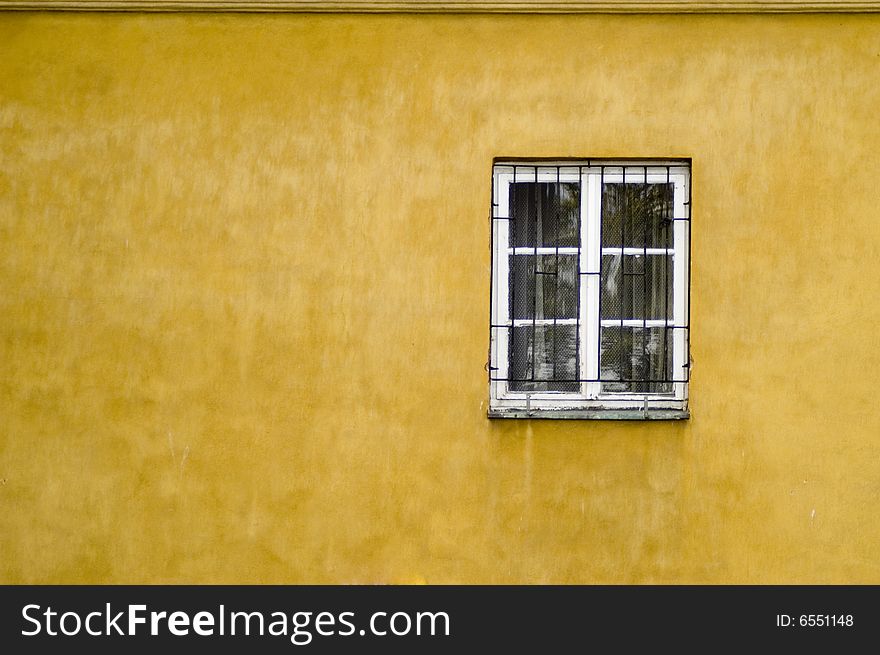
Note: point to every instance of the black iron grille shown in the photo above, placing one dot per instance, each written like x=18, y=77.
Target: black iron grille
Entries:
x=544, y=284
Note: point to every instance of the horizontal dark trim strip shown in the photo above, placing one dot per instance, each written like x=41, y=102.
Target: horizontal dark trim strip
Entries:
x=455, y=6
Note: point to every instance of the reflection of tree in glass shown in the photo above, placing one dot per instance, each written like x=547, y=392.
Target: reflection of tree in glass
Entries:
x=636, y=215
x=569, y=211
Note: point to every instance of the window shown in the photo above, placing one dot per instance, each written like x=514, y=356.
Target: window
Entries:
x=589, y=310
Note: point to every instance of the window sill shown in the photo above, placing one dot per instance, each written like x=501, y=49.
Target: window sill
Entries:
x=592, y=414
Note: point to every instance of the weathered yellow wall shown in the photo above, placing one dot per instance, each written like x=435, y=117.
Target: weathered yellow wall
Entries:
x=244, y=270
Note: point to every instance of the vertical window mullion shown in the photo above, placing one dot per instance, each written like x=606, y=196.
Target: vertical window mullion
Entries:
x=668, y=227
x=646, y=361
x=535, y=194
x=502, y=318
x=625, y=300
x=679, y=294
x=557, y=195
x=590, y=264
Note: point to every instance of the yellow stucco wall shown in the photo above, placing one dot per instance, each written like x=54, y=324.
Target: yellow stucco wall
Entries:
x=244, y=272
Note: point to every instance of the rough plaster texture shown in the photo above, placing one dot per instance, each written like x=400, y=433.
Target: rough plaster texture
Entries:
x=244, y=284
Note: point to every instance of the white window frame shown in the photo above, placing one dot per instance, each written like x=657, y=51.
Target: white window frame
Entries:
x=590, y=401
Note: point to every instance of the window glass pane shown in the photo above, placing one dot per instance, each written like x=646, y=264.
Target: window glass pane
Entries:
x=543, y=286
x=640, y=354
x=637, y=286
x=545, y=354
x=544, y=214
x=636, y=215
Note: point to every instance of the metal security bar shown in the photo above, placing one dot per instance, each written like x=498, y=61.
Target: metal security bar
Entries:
x=616, y=329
